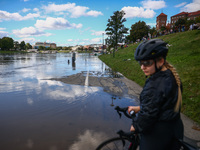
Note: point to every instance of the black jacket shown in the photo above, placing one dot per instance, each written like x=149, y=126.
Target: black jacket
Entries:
x=157, y=101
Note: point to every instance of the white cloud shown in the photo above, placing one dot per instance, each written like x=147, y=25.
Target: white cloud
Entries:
x=3, y=33
x=98, y=33
x=4, y=15
x=25, y=10
x=56, y=8
x=78, y=11
x=56, y=24
x=27, y=40
x=29, y=31
x=94, y=13
x=30, y=16
x=153, y=4
x=95, y=40
x=132, y=12
x=181, y=4
x=84, y=41
x=75, y=11
x=191, y=7
x=70, y=40
x=36, y=9
x=2, y=28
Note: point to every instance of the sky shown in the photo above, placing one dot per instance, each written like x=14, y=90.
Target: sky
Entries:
x=79, y=22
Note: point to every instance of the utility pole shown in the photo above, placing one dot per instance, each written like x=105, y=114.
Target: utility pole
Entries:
x=103, y=41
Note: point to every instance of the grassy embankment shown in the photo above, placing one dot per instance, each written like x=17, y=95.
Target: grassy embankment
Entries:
x=184, y=55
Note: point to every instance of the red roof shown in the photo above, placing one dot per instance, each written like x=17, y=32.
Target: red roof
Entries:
x=182, y=13
x=162, y=14
x=194, y=13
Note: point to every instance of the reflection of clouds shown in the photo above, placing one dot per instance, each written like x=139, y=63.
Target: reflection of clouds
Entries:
x=88, y=140
x=49, y=82
x=29, y=101
x=70, y=92
x=30, y=72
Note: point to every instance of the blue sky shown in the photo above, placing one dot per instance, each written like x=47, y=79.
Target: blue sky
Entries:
x=79, y=22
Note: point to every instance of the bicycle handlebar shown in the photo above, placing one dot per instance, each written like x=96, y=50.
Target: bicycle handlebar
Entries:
x=124, y=110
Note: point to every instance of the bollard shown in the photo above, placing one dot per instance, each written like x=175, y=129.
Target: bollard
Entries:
x=73, y=57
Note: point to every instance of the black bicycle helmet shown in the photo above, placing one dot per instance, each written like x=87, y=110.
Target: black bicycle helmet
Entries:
x=151, y=49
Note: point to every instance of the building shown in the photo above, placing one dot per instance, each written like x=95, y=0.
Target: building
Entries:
x=161, y=20
x=175, y=18
x=46, y=45
x=184, y=15
x=193, y=15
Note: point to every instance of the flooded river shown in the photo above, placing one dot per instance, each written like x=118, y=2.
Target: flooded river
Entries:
x=41, y=114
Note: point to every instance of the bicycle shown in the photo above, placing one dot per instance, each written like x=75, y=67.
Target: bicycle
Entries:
x=131, y=140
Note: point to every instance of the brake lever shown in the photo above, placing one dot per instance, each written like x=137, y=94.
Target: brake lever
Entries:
x=117, y=108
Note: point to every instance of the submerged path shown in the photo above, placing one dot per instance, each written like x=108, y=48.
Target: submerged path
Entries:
x=117, y=86
x=123, y=86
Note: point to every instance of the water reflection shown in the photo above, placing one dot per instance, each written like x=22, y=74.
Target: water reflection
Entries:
x=73, y=65
x=88, y=140
x=38, y=114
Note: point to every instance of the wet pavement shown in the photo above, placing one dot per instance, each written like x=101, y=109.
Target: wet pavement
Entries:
x=37, y=111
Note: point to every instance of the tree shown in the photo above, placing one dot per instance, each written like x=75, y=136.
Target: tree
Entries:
x=153, y=32
x=138, y=31
x=0, y=43
x=6, y=43
x=16, y=45
x=28, y=46
x=180, y=23
x=197, y=20
x=41, y=48
x=22, y=45
x=115, y=29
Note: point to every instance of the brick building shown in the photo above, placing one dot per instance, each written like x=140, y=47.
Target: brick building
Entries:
x=161, y=20
x=184, y=15
x=51, y=45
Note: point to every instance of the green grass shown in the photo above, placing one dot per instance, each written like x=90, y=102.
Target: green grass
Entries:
x=184, y=55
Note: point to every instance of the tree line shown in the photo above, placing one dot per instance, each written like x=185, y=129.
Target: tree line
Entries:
x=7, y=43
x=118, y=33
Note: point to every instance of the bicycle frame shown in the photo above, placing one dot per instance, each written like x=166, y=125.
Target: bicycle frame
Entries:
x=133, y=138
x=124, y=137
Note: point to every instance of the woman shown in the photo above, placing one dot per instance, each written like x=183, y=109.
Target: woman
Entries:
x=158, y=116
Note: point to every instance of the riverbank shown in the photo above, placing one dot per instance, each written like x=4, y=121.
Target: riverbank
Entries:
x=184, y=54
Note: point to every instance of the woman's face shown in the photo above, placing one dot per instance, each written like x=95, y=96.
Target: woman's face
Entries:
x=148, y=67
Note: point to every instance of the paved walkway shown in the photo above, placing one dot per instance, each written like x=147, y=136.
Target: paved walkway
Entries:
x=123, y=86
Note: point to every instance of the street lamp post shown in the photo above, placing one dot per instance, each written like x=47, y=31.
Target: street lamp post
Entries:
x=103, y=41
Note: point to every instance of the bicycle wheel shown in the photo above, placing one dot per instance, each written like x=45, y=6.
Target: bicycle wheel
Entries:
x=114, y=144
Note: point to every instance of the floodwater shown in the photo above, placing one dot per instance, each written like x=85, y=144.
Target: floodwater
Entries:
x=41, y=114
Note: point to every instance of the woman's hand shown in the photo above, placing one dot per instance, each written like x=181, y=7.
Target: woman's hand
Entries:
x=136, y=109
x=132, y=129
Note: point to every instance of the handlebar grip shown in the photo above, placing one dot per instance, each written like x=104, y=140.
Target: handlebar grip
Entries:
x=124, y=110
x=132, y=113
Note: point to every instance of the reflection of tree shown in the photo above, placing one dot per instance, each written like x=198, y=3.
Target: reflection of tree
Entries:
x=88, y=140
